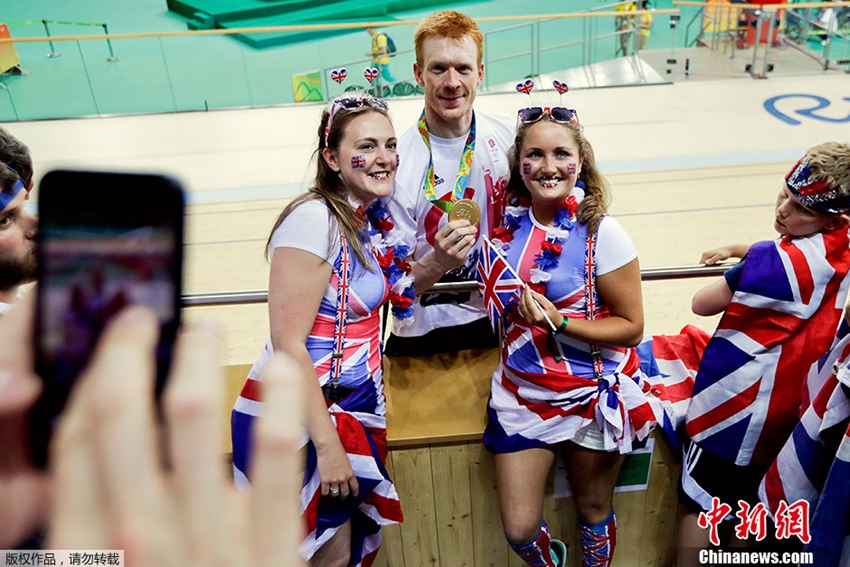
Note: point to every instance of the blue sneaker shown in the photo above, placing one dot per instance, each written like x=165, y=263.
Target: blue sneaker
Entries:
x=559, y=552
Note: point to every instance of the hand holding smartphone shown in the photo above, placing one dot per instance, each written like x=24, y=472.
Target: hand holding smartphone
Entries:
x=105, y=241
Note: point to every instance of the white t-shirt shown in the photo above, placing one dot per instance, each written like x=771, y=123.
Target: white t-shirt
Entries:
x=417, y=220
x=308, y=230
x=614, y=246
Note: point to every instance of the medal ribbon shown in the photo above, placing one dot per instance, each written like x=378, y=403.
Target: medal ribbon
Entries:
x=463, y=169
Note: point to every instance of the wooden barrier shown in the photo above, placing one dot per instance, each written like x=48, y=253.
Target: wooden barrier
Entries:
x=446, y=481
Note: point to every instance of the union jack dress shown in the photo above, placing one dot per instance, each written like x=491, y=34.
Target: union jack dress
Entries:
x=360, y=418
x=536, y=400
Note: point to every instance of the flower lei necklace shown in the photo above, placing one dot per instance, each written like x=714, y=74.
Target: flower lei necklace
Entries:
x=391, y=252
x=547, y=259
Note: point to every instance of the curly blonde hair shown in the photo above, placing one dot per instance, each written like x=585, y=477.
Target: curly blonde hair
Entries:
x=831, y=162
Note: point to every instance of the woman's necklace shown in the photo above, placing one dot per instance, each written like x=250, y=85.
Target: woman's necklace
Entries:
x=546, y=260
x=391, y=253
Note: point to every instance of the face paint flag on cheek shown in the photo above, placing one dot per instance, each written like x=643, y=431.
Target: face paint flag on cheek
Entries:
x=526, y=169
x=397, y=160
x=358, y=162
x=571, y=169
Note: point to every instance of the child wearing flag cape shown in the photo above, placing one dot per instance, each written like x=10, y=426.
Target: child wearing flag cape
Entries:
x=568, y=380
x=782, y=306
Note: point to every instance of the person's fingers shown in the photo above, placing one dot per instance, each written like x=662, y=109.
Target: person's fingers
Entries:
x=455, y=225
x=523, y=306
x=23, y=493
x=193, y=402
x=276, y=469
x=24, y=505
x=78, y=492
x=122, y=374
x=354, y=486
x=16, y=335
x=18, y=392
x=344, y=490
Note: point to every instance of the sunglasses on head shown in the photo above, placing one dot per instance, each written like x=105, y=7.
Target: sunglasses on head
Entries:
x=353, y=103
x=558, y=114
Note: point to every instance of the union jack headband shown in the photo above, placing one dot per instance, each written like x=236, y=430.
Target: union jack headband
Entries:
x=7, y=197
x=815, y=194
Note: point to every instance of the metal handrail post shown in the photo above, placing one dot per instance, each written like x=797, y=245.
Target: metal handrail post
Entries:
x=535, y=42
x=674, y=23
x=585, y=47
x=804, y=27
x=635, y=36
x=829, y=34
x=112, y=56
x=727, y=16
x=753, y=73
x=770, y=28
x=486, y=64
x=52, y=52
x=733, y=47
x=325, y=85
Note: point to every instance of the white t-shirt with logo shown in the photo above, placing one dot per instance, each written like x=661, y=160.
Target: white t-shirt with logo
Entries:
x=418, y=220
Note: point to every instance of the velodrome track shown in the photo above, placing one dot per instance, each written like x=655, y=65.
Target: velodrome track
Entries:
x=692, y=165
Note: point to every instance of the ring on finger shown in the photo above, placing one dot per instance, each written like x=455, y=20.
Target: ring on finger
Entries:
x=334, y=491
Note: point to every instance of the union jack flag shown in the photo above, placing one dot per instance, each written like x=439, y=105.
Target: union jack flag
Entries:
x=752, y=378
x=358, y=162
x=363, y=437
x=670, y=363
x=498, y=283
x=813, y=466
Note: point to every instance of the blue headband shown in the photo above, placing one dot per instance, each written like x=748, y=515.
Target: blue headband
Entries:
x=7, y=197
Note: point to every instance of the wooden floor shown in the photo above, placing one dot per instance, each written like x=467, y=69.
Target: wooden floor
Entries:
x=692, y=165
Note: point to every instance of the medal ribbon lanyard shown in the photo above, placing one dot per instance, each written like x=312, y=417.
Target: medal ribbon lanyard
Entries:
x=463, y=169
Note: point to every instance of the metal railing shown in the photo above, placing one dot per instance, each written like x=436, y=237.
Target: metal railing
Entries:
x=193, y=70
x=762, y=26
x=261, y=296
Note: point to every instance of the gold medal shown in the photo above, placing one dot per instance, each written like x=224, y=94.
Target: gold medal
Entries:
x=466, y=209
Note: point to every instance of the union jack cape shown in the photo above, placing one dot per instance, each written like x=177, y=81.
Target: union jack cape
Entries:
x=814, y=464
x=783, y=317
x=363, y=436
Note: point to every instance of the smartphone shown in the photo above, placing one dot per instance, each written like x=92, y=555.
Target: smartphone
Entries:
x=105, y=241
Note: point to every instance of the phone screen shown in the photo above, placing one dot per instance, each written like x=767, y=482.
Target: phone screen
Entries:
x=105, y=241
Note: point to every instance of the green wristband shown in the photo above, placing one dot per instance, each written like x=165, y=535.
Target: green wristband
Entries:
x=563, y=327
